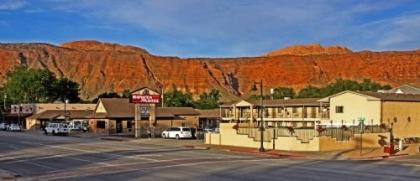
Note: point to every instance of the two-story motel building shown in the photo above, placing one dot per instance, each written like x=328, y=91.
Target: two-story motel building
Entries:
x=307, y=112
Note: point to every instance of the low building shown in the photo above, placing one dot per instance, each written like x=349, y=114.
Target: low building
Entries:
x=404, y=89
x=74, y=117
x=307, y=112
x=401, y=112
x=52, y=111
x=116, y=116
x=209, y=119
x=344, y=121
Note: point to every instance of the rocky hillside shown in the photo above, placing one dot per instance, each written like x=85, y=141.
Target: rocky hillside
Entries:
x=100, y=67
x=311, y=49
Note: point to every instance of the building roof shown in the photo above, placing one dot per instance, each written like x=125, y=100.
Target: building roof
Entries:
x=381, y=96
x=72, y=114
x=394, y=96
x=288, y=102
x=281, y=102
x=405, y=89
x=122, y=108
x=209, y=113
x=60, y=106
x=178, y=111
x=117, y=107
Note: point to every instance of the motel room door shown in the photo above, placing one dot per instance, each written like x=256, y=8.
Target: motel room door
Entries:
x=118, y=126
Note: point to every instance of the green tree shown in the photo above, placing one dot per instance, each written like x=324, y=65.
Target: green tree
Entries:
x=64, y=88
x=2, y=92
x=175, y=98
x=208, y=100
x=282, y=92
x=106, y=95
x=341, y=85
x=309, y=92
x=29, y=85
x=338, y=86
x=38, y=86
x=126, y=93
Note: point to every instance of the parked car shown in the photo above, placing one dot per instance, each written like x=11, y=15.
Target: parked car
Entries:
x=201, y=132
x=14, y=127
x=57, y=128
x=177, y=133
x=3, y=126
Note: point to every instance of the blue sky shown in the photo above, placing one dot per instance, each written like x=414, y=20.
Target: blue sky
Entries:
x=215, y=28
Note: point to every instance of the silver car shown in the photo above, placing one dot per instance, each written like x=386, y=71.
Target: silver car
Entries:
x=3, y=126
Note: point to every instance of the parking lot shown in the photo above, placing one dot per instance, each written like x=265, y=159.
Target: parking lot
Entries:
x=29, y=156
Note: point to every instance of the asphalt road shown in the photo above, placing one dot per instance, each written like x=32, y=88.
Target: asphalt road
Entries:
x=39, y=157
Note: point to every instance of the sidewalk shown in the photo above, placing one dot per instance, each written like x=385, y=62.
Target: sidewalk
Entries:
x=354, y=154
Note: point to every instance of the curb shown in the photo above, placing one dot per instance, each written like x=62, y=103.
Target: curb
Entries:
x=396, y=156
x=197, y=147
x=367, y=158
x=266, y=154
x=113, y=139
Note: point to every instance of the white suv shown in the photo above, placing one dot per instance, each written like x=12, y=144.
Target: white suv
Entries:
x=57, y=128
x=177, y=132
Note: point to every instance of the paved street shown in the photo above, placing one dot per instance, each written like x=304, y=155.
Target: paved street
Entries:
x=39, y=157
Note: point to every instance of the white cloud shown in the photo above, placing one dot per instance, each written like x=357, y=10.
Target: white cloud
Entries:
x=12, y=4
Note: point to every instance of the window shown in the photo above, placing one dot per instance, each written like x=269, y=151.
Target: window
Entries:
x=186, y=129
x=339, y=109
x=175, y=129
x=294, y=110
x=100, y=124
x=313, y=112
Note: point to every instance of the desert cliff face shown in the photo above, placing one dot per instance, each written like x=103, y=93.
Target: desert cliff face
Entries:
x=100, y=67
x=311, y=49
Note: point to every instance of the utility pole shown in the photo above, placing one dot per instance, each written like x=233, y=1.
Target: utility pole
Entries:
x=261, y=111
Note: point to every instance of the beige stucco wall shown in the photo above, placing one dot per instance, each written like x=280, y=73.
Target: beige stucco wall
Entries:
x=229, y=136
x=399, y=113
x=370, y=140
x=100, y=108
x=32, y=124
x=293, y=144
x=355, y=106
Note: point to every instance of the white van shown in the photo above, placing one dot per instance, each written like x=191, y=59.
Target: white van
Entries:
x=57, y=128
x=177, y=132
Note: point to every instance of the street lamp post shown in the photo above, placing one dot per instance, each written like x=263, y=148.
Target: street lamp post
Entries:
x=66, y=101
x=4, y=101
x=261, y=110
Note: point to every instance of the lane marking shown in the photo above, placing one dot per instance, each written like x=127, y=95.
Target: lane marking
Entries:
x=411, y=165
x=85, y=173
x=88, y=151
x=41, y=165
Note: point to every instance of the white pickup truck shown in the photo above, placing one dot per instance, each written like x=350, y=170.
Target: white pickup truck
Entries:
x=57, y=128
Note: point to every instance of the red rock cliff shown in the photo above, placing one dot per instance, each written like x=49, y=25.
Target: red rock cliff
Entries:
x=100, y=67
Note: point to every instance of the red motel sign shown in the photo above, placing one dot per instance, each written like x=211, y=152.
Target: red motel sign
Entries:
x=145, y=99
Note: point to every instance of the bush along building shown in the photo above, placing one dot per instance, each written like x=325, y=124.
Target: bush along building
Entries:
x=347, y=120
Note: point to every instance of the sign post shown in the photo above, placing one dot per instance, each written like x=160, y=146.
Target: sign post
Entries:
x=145, y=101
